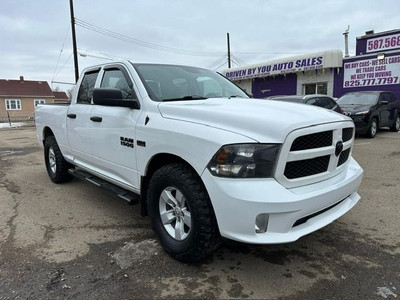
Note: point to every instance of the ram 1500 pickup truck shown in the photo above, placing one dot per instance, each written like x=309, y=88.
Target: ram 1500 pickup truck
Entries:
x=204, y=160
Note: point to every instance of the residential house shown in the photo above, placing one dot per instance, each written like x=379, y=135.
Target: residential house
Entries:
x=18, y=98
x=61, y=97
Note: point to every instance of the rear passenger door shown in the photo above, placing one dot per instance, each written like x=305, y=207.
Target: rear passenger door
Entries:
x=78, y=121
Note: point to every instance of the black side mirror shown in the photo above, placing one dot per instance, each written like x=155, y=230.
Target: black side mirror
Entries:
x=113, y=97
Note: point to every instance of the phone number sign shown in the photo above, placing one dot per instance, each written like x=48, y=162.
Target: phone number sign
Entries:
x=371, y=72
x=383, y=43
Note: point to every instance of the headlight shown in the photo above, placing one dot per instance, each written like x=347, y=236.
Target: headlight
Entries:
x=361, y=113
x=245, y=161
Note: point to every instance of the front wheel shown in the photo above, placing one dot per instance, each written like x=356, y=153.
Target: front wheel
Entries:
x=396, y=125
x=56, y=166
x=181, y=213
x=373, y=128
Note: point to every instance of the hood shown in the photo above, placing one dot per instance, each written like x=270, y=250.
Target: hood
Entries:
x=261, y=120
x=355, y=107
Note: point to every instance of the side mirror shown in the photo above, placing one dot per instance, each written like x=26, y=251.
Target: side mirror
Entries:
x=113, y=97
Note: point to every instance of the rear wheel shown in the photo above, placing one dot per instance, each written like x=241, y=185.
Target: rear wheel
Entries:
x=396, y=125
x=373, y=128
x=56, y=166
x=181, y=213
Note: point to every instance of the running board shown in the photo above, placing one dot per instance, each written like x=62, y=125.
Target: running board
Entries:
x=112, y=189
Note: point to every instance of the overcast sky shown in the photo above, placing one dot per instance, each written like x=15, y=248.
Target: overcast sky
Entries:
x=33, y=32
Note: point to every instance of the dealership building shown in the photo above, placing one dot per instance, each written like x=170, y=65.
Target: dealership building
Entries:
x=376, y=66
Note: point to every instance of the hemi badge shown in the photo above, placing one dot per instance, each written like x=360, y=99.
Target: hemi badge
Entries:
x=141, y=143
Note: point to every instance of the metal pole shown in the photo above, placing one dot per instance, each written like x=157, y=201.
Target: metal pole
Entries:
x=9, y=120
x=71, y=6
x=229, y=51
x=346, y=42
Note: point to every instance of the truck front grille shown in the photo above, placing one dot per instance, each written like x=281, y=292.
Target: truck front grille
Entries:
x=307, y=167
x=315, y=153
x=344, y=156
x=311, y=141
x=347, y=134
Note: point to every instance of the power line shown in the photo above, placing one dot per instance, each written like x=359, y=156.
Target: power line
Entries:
x=63, y=82
x=236, y=61
x=218, y=61
x=128, y=39
x=219, y=66
x=239, y=60
x=138, y=42
x=64, y=65
x=59, y=56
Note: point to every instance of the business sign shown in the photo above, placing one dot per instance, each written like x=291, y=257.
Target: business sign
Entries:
x=383, y=43
x=314, y=61
x=371, y=72
x=284, y=67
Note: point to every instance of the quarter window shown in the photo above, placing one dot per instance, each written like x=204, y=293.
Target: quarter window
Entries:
x=85, y=93
x=13, y=104
x=39, y=101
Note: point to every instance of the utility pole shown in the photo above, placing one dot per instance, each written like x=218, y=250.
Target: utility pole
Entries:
x=229, y=51
x=71, y=7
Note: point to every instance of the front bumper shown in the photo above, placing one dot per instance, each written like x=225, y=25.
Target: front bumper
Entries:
x=238, y=202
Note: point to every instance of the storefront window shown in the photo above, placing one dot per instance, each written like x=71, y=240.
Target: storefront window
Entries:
x=316, y=88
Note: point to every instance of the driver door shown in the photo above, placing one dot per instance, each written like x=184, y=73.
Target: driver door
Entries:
x=113, y=131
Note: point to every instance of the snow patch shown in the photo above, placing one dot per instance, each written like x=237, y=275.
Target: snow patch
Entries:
x=13, y=125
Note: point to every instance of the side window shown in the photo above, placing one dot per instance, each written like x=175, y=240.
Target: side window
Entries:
x=321, y=102
x=86, y=89
x=385, y=97
x=381, y=97
x=391, y=98
x=312, y=101
x=114, y=78
x=329, y=103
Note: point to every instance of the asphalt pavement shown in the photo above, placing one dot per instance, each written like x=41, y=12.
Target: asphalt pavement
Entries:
x=73, y=241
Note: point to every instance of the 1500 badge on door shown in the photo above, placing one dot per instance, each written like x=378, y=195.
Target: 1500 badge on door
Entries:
x=127, y=142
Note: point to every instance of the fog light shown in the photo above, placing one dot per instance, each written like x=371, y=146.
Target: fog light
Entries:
x=261, y=223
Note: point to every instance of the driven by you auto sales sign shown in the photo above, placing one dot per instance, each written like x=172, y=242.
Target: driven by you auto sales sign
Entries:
x=283, y=67
x=371, y=72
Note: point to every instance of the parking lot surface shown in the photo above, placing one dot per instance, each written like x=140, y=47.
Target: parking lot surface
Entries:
x=73, y=241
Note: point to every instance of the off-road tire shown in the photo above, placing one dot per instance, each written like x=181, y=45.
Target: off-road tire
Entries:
x=204, y=237
x=396, y=125
x=372, y=129
x=57, y=172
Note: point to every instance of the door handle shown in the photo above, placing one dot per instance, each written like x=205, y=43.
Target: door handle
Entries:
x=96, y=119
x=71, y=116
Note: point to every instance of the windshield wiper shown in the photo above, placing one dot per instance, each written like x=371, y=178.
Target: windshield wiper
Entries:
x=192, y=97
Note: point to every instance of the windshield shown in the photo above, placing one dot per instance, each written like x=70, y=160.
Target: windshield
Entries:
x=175, y=83
x=358, y=99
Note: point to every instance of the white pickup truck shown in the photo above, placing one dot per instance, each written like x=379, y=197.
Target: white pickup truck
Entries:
x=204, y=160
